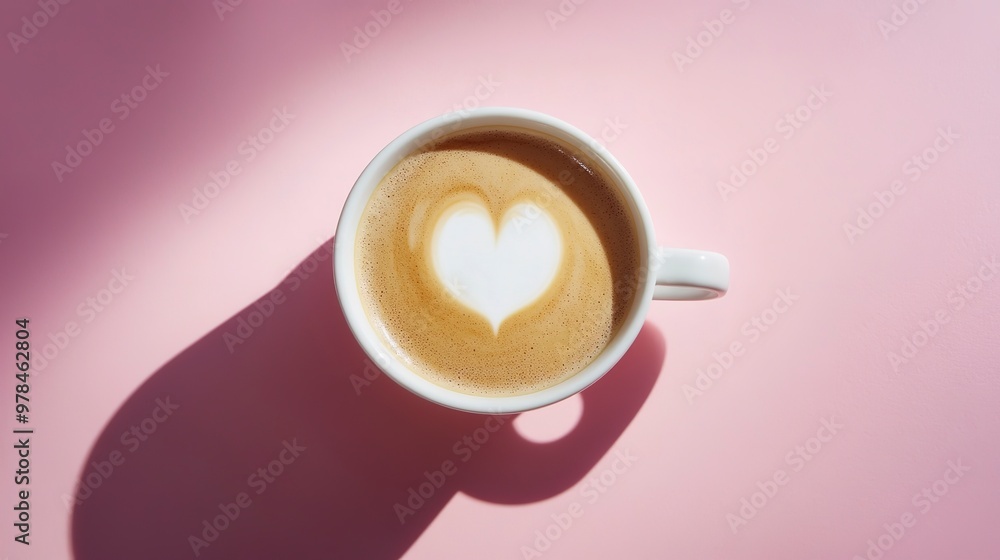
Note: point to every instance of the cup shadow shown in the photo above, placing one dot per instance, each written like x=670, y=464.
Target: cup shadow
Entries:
x=339, y=445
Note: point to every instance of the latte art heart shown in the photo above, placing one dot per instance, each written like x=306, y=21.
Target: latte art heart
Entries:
x=496, y=271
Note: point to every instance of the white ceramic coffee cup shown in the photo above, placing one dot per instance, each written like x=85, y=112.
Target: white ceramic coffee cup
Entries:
x=678, y=274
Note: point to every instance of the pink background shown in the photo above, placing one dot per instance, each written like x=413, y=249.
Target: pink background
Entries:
x=826, y=357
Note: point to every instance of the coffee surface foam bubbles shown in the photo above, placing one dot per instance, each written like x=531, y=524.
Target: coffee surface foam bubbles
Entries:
x=434, y=254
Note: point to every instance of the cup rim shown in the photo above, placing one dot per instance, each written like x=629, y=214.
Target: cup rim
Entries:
x=418, y=137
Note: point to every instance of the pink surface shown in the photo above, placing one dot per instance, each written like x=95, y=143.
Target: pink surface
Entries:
x=820, y=434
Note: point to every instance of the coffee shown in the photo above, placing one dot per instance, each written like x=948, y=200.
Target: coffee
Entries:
x=497, y=262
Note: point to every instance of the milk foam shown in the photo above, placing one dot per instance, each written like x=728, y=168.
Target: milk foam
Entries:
x=496, y=273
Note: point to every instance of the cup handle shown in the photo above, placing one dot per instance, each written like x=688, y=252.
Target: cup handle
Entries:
x=689, y=274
